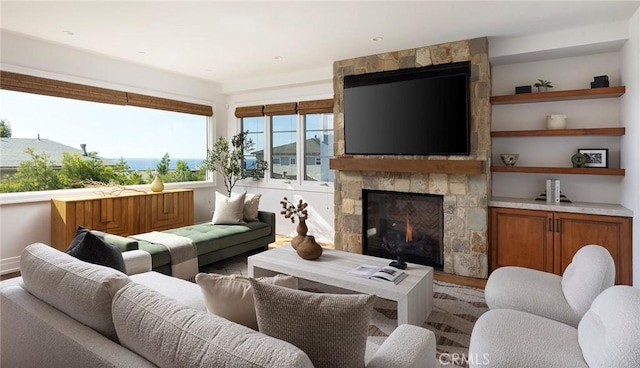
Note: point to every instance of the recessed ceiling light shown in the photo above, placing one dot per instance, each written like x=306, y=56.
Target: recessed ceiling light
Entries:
x=278, y=57
x=142, y=52
x=376, y=39
x=68, y=33
x=208, y=71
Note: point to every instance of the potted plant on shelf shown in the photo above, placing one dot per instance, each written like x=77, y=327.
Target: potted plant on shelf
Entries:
x=227, y=158
x=543, y=85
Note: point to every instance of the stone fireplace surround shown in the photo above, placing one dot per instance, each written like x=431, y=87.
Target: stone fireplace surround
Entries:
x=465, y=194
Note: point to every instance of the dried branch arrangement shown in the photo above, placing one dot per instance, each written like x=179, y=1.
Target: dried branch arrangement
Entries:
x=291, y=211
x=105, y=189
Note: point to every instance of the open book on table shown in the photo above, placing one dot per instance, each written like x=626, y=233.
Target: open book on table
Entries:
x=384, y=273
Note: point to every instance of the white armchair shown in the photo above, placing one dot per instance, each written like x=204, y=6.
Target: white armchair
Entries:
x=607, y=336
x=564, y=299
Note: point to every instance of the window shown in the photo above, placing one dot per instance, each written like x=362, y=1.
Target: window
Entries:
x=297, y=132
x=318, y=147
x=284, y=138
x=58, y=143
x=255, y=127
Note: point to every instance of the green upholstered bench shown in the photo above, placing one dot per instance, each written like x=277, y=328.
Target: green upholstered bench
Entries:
x=216, y=242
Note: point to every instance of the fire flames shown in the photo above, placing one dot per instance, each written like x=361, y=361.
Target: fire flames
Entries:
x=409, y=236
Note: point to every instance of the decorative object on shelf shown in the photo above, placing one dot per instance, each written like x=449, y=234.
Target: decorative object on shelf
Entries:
x=157, y=185
x=543, y=197
x=523, y=89
x=309, y=248
x=108, y=189
x=543, y=85
x=596, y=157
x=291, y=211
x=509, y=159
x=578, y=160
x=556, y=121
x=227, y=158
x=600, y=81
x=552, y=191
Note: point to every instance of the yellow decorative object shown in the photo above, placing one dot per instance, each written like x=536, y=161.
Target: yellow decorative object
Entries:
x=157, y=185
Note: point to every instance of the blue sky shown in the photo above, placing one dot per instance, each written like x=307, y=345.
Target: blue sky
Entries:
x=113, y=131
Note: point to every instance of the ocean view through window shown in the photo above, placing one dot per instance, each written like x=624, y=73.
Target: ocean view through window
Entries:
x=58, y=143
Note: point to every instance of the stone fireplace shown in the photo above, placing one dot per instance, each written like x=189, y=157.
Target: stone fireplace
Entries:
x=408, y=226
x=463, y=191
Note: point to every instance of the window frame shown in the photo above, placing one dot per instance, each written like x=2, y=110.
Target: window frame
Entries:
x=50, y=85
x=276, y=183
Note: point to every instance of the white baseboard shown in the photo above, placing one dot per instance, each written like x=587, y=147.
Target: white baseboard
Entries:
x=8, y=265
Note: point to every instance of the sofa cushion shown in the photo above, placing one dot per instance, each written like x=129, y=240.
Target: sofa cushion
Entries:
x=231, y=296
x=251, y=204
x=90, y=248
x=330, y=328
x=173, y=335
x=183, y=291
x=82, y=290
x=229, y=210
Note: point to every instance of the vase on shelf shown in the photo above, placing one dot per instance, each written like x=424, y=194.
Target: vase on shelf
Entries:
x=157, y=185
x=309, y=248
x=301, y=229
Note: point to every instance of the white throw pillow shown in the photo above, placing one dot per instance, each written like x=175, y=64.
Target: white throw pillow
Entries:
x=251, y=204
x=228, y=210
x=231, y=297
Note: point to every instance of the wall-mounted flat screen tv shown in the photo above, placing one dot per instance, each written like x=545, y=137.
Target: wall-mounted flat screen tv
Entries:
x=417, y=111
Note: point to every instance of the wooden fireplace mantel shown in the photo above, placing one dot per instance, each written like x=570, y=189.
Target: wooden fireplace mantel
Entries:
x=347, y=163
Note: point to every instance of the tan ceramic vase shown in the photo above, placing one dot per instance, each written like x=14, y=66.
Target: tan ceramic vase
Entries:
x=309, y=249
x=157, y=185
x=301, y=229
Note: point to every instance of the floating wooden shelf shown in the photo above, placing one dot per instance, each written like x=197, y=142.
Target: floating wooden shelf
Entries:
x=469, y=167
x=558, y=132
x=577, y=94
x=559, y=170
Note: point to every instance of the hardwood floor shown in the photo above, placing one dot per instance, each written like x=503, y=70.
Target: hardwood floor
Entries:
x=11, y=275
x=459, y=280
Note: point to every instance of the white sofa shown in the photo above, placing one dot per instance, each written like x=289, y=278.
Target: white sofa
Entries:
x=565, y=299
x=64, y=312
x=607, y=336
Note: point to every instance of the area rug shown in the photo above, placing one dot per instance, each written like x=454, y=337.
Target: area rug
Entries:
x=455, y=310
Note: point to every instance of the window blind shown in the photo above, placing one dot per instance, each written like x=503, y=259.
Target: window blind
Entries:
x=315, y=107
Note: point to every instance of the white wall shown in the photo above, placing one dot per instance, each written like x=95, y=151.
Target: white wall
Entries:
x=565, y=74
x=630, y=114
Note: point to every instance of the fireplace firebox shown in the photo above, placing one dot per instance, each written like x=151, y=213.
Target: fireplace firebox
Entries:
x=405, y=226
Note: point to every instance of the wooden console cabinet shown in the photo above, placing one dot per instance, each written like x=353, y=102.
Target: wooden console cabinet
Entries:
x=547, y=240
x=124, y=215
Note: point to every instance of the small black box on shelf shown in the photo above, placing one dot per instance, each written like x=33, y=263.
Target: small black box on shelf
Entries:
x=601, y=78
x=599, y=84
x=523, y=89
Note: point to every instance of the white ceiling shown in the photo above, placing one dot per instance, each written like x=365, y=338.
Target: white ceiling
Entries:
x=226, y=41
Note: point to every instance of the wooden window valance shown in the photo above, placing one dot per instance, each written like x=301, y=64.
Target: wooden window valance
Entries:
x=286, y=108
x=135, y=99
x=315, y=107
x=56, y=88
x=50, y=87
x=249, y=111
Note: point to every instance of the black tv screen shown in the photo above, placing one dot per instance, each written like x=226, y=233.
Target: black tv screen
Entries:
x=418, y=111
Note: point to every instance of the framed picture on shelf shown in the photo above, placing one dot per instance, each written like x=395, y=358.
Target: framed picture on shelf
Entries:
x=596, y=157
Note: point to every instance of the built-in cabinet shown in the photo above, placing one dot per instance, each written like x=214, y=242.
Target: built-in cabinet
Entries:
x=124, y=215
x=547, y=240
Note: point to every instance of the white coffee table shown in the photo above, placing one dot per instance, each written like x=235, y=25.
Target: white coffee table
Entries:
x=414, y=294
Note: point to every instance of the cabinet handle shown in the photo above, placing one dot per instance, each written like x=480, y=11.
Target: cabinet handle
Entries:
x=557, y=225
x=550, y=225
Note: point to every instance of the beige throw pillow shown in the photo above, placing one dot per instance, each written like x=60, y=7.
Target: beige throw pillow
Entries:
x=228, y=210
x=330, y=328
x=231, y=296
x=251, y=204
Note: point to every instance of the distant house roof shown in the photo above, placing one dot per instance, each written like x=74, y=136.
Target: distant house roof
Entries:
x=312, y=144
x=13, y=151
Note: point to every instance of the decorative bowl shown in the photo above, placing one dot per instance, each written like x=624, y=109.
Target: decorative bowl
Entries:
x=509, y=159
